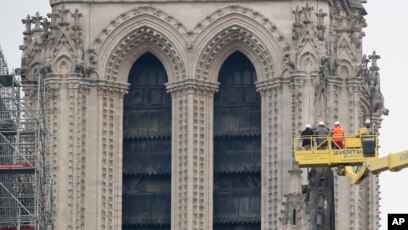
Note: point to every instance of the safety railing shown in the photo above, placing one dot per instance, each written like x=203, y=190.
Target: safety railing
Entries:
x=314, y=142
x=327, y=150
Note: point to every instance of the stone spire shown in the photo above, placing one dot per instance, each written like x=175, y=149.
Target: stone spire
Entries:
x=294, y=208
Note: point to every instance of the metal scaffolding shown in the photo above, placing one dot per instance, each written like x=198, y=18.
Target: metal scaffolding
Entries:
x=3, y=64
x=25, y=181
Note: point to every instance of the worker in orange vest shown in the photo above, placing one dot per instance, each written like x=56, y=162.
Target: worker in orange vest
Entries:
x=337, y=134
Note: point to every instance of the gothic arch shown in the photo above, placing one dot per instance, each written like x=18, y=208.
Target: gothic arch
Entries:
x=227, y=51
x=286, y=73
x=346, y=69
x=140, y=30
x=308, y=59
x=34, y=68
x=63, y=65
x=258, y=38
x=365, y=106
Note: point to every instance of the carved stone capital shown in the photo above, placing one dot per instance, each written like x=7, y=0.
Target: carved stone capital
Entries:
x=270, y=84
x=298, y=79
x=334, y=80
x=113, y=87
x=190, y=85
x=74, y=82
x=354, y=81
x=53, y=82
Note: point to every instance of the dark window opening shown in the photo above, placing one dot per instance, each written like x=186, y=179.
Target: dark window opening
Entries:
x=146, y=202
x=237, y=147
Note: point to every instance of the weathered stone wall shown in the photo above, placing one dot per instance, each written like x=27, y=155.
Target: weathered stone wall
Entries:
x=309, y=64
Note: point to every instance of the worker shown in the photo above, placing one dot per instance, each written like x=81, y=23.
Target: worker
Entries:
x=368, y=139
x=367, y=124
x=337, y=134
x=322, y=132
x=306, y=135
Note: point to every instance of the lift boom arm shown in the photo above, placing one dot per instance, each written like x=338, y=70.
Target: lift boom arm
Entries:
x=393, y=162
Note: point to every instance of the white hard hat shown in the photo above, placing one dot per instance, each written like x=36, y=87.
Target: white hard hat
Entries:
x=308, y=126
x=367, y=121
x=337, y=123
x=321, y=123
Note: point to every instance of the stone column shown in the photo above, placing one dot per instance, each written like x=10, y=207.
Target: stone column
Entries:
x=333, y=98
x=343, y=192
x=298, y=107
x=302, y=95
x=354, y=94
x=271, y=193
x=77, y=93
x=66, y=117
x=52, y=97
x=358, y=197
x=106, y=166
x=192, y=154
x=373, y=202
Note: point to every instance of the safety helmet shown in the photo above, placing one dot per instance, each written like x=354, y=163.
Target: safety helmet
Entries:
x=337, y=123
x=308, y=126
x=321, y=123
x=367, y=122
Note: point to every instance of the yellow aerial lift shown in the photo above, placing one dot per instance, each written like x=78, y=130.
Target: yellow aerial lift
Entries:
x=357, y=158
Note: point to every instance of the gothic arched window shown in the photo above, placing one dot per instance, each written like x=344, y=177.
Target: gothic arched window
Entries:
x=147, y=148
x=237, y=147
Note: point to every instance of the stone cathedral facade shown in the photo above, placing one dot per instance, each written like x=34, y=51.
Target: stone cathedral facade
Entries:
x=180, y=114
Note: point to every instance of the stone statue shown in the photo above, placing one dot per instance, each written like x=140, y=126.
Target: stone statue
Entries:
x=363, y=71
x=307, y=10
x=288, y=61
x=320, y=20
x=320, y=27
x=297, y=14
x=320, y=89
x=76, y=17
x=79, y=59
x=63, y=15
x=374, y=57
x=377, y=99
x=297, y=25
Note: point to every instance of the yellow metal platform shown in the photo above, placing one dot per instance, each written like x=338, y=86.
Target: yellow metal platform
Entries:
x=355, y=150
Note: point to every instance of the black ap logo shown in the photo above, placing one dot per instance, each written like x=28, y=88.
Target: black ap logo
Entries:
x=397, y=221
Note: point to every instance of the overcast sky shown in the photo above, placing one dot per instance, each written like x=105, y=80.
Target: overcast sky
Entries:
x=386, y=34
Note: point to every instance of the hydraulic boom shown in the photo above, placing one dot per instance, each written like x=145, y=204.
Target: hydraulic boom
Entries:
x=355, y=159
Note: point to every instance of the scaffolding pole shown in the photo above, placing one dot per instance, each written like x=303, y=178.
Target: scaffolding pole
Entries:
x=25, y=179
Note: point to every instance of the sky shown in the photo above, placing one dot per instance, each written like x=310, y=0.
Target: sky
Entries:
x=386, y=34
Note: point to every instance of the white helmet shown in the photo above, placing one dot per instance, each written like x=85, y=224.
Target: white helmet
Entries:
x=367, y=122
x=321, y=123
x=308, y=126
x=337, y=123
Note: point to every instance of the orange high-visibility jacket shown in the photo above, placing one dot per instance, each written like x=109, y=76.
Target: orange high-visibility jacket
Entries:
x=337, y=133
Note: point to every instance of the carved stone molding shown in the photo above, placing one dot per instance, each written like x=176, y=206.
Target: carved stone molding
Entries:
x=192, y=84
x=265, y=85
x=188, y=38
x=138, y=11
x=110, y=86
x=248, y=42
x=237, y=28
x=246, y=12
x=155, y=41
x=53, y=82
